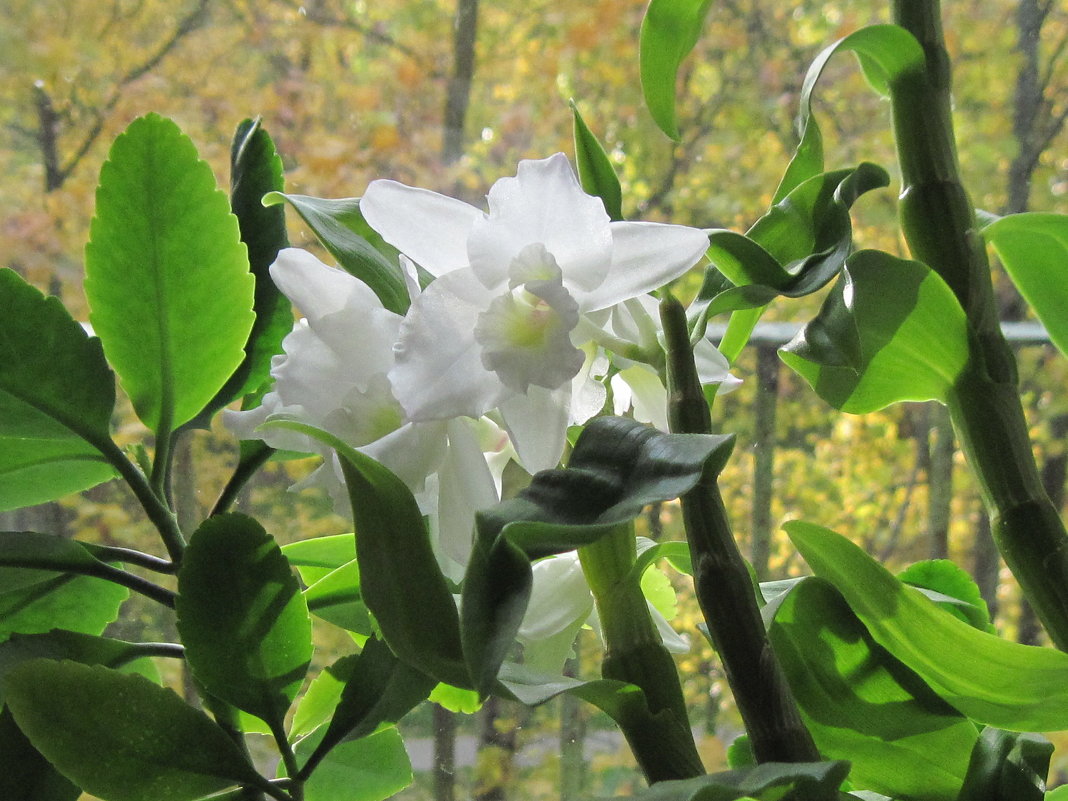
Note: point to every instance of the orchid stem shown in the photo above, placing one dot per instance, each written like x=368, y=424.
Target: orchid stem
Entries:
x=939, y=224
x=722, y=580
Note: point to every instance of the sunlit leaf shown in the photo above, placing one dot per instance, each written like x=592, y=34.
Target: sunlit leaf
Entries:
x=595, y=170
x=242, y=617
x=862, y=704
x=368, y=769
x=166, y=274
x=891, y=330
x=340, y=226
x=121, y=737
x=978, y=673
x=1034, y=249
x=336, y=599
x=75, y=603
x=56, y=399
x=949, y=585
x=669, y=32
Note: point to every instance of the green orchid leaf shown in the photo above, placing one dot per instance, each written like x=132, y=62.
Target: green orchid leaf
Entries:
x=120, y=737
x=380, y=689
x=341, y=228
x=166, y=274
x=255, y=170
x=887, y=54
x=617, y=467
x=336, y=599
x=862, y=704
x=242, y=618
x=950, y=586
x=82, y=604
x=317, y=557
x=977, y=673
x=127, y=657
x=369, y=769
x=595, y=170
x=768, y=782
x=24, y=773
x=1008, y=766
x=56, y=399
x=891, y=330
x=1034, y=249
x=410, y=597
x=669, y=31
x=317, y=703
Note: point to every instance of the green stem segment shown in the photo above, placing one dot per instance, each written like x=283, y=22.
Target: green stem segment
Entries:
x=939, y=224
x=722, y=580
x=664, y=746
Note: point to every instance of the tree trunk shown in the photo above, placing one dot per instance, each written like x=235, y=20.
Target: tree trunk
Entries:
x=939, y=480
x=444, y=754
x=764, y=458
x=458, y=95
x=572, y=740
x=496, y=750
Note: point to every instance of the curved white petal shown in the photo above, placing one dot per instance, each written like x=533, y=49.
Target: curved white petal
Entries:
x=645, y=256
x=412, y=452
x=439, y=372
x=713, y=367
x=543, y=203
x=647, y=395
x=559, y=597
x=676, y=643
x=588, y=392
x=537, y=424
x=316, y=288
x=465, y=485
x=429, y=228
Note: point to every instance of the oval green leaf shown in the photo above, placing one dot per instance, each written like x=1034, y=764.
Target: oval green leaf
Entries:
x=56, y=399
x=121, y=737
x=166, y=274
x=242, y=618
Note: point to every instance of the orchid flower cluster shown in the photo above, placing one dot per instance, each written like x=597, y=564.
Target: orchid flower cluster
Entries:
x=538, y=311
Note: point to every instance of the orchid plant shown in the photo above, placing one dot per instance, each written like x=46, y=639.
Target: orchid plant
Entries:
x=536, y=337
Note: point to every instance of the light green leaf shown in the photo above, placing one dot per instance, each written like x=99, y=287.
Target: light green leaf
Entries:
x=167, y=276
x=56, y=399
x=887, y=54
x=74, y=603
x=1034, y=249
x=596, y=173
x=368, y=769
x=120, y=737
x=340, y=226
x=669, y=32
x=890, y=330
x=862, y=704
x=317, y=557
x=25, y=774
x=949, y=585
x=317, y=703
x=242, y=617
x=336, y=599
x=993, y=681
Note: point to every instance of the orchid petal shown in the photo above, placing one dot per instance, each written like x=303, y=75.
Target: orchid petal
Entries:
x=544, y=203
x=588, y=393
x=559, y=597
x=439, y=372
x=412, y=452
x=429, y=228
x=646, y=394
x=645, y=256
x=316, y=288
x=713, y=367
x=537, y=424
x=465, y=486
x=676, y=643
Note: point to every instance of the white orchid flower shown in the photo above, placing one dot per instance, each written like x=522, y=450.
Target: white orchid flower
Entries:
x=502, y=324
x=334, y=374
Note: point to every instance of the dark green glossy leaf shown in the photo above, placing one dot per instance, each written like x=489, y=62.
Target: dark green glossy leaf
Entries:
x=369, y=769
x=771, y=781
x=1008, y=766
x=242, y=617
x=887, y=53
x=596, y=173
x=25, y=774
x=409, y=596
x=669, y=31
x=340, y=226
x=121, y=737
x=1034, y=249
x=617, y=467
x=891, y=330
x=255, y=170
x=87, y=649
x=166, y=274
x=862, y=704
x=950, y=586
x=978, y=673
x=76, y=603
x=380, y=689
x=56, y=399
